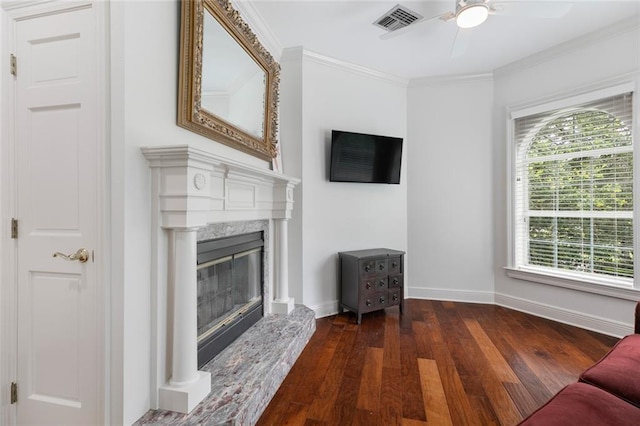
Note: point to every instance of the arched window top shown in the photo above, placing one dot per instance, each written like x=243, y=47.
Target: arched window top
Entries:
x=579, y=131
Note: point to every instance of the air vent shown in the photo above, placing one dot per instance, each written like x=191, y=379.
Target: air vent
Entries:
x=398, y=17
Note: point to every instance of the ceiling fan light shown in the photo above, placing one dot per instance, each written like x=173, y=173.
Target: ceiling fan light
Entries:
x=472, y=15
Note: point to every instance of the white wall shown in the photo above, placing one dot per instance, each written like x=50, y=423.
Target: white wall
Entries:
x=144, y=77
x=596, y=61
x=450, y=201
x=339, y=216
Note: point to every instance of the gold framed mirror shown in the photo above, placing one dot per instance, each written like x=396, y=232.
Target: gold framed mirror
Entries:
x=228, y=82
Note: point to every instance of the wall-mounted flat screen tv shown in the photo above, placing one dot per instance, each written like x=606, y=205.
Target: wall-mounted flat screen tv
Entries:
x=359, y=157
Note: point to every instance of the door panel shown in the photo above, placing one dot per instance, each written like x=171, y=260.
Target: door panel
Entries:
x=59, y=332
x=54, y=134
x=57, y=296
x=54, y=59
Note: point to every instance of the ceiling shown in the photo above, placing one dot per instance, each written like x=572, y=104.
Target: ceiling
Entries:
x=344, y=30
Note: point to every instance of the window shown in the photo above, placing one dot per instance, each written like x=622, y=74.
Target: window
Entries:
x=573, y=199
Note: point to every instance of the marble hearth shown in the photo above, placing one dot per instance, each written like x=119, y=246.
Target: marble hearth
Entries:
x=247, y=374
x=195, y=192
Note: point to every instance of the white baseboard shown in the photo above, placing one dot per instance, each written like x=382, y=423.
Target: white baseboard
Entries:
x=589, y=322
x=450, y=295
x=325, y=309
x=565, y=316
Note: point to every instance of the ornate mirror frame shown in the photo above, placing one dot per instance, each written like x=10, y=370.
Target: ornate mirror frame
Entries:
x=191, y=115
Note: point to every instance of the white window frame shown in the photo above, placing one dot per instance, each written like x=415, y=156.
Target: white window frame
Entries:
x=610, y=286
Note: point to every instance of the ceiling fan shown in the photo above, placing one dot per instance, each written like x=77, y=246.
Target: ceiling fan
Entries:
x=468, y=14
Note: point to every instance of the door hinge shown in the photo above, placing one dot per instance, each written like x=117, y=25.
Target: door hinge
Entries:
x=14, y=65
x=14, y=228
x=14, y=392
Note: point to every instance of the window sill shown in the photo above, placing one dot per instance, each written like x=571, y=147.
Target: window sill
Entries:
x=611, y=290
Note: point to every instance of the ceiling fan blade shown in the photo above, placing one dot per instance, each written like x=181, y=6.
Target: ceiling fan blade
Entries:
x=461, y=42
x=532, y=9
x=408, y=28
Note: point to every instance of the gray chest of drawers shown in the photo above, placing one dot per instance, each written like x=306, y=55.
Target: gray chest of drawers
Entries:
x=371, y=280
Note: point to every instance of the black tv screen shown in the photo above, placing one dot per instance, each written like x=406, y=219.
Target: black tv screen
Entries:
x=359, y=157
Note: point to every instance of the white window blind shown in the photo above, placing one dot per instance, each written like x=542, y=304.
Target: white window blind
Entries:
x=574, y=190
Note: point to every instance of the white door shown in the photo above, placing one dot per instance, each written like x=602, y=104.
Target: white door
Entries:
x=59, y=379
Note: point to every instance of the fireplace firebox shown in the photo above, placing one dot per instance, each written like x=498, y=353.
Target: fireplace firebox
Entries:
x=230, y=296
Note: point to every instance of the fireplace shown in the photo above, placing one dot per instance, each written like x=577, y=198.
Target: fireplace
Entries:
x=194, y=193
x=230, y=290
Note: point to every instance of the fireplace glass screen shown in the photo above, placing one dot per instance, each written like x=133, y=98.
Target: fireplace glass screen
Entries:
x=227, y=288
x=230, y=284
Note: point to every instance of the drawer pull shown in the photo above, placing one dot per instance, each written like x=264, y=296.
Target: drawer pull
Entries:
x=382, y=283
x=367, y=268
x=395, y=297
x=368, y=302
x=396, y=281
x=382, y=300
x=368, y=285
x=394, y=265
x=381, y=267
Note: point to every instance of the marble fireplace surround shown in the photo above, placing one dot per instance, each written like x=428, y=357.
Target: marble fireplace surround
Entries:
x=196, y=193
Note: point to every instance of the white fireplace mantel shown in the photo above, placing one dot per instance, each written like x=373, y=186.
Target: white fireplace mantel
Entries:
x=198, y=187
x=192, y=188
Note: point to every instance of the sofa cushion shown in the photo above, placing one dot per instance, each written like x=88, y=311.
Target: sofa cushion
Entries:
x=618, y=371
x=584, y=405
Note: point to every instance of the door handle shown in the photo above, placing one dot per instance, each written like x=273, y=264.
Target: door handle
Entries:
x=82, y=255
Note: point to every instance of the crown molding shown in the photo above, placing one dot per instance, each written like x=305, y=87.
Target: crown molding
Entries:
x=621, y=27
x=300, y=53
x=444, y=79
x=256, y=22
x=353, y=68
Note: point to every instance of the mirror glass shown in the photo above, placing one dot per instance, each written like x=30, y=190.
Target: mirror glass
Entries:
x=228, y=84
x=234, y=88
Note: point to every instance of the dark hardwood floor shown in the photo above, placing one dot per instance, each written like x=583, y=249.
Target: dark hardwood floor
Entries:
x=441, y=363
